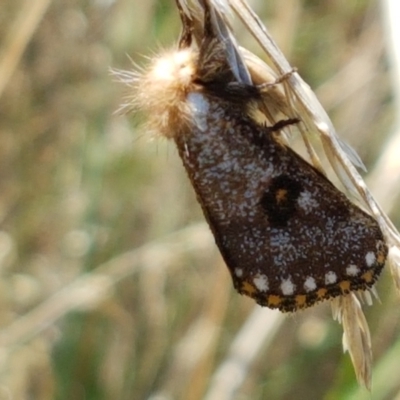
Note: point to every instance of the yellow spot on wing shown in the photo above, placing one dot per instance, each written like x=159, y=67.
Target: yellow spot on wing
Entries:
x=344, y=286
x=281, y=195
x=301, y=300
x=368, y=276
x=274, y=301
x=248, y=289
x=381, y=257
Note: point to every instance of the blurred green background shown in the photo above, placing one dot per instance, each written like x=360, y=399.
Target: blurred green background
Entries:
x=97, y=299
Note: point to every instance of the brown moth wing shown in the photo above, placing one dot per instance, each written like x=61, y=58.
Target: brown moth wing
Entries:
x=288, y=236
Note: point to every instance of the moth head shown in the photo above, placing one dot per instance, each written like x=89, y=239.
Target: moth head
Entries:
x=160, y=90
x=173, y=71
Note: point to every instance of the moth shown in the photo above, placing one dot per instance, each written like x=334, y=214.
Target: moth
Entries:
x=289, y=237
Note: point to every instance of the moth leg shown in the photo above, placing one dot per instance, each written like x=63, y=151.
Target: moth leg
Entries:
x=283, y=123
x=264, y=87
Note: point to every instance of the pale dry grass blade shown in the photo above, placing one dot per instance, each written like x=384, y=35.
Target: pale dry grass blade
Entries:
x=384, y=179
x=356, y=337
x=193, y=355
x=231, y=374
x=89, y=290
x=385, y=176
x=19, y=36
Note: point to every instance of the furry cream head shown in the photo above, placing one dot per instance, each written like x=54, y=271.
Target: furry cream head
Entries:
x=160, y=91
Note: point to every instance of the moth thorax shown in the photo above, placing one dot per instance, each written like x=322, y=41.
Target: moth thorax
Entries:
x=163, y=90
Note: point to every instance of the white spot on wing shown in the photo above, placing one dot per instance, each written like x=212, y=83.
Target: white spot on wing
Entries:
x=287, y=287
x=238, y=272
x=306, y=201
x=370, y=259
x=310, y=284
x=330, y=278
x=352, y=270
x=261, y=283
